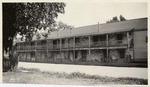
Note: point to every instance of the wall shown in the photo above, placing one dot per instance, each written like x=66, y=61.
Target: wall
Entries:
x=113, y=38
x=140, y=45
x=96, y=56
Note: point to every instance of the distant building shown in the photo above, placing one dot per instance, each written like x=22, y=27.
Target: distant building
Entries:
x=116, y=44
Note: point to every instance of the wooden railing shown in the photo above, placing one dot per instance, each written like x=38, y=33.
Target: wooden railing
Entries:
x=41, y=47
x=81, y=45
x=99, y=44
x=56, y=47
x=117, y=43
x=64, y=46
x=77, y=45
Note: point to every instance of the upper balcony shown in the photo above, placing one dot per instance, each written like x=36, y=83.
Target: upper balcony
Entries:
x=117, y=43
x=99, y=44
x=106, y=40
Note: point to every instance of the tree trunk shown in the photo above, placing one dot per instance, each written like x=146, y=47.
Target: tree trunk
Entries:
x=13, y=58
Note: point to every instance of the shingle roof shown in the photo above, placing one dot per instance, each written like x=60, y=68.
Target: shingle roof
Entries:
x=135, y=24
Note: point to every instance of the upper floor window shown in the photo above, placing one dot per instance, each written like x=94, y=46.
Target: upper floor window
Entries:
x=55, y=42
x=119, y=36
x=43, y=42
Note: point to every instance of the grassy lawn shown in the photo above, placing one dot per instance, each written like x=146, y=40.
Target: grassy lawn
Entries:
x=35, y=76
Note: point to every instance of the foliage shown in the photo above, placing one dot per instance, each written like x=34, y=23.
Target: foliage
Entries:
x=122, y=18
x=62, y=26
x=115, y=19
x=26, y=19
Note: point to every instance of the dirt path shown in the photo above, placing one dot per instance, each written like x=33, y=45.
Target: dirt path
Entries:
x=117, y=72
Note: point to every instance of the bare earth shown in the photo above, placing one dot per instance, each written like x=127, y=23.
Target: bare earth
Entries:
x=35, y=76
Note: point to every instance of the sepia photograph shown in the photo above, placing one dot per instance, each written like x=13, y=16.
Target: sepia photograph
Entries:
x=75, y=43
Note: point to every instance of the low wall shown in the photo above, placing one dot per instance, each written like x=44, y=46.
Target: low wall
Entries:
x=92, y=70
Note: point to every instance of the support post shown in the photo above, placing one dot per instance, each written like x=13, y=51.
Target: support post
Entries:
x=74, y=42
x=107, y=59
x=107, y=44
x=89, y=53
x=107, y=41
x=89, y=41
x=60, y=42
x=66, y=44
x=128, y=43
x=74, y=54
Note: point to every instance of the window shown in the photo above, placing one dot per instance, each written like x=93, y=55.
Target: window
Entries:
x=95, y=38
x=77, y=40
x=54, y=42
x=43, y=42
x=122, y=53
x=119, y=36
x=63, y=41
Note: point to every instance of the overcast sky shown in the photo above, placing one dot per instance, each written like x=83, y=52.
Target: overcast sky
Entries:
x=82, y=13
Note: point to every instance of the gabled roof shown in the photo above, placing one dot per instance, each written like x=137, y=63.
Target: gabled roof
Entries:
x=104, y=28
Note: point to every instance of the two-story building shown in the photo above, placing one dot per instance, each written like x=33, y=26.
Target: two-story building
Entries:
x=121, y=43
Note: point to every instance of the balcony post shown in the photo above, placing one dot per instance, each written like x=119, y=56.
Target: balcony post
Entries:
x=107, y=55
x=128, y=43
x=107, y=41
x=66, y=44
x=60, y=43
x=89, y=53
x=107, y=44
x=89, y=41
x=74, y=42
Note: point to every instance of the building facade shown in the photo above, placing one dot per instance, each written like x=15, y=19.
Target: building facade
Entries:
x=115, y=44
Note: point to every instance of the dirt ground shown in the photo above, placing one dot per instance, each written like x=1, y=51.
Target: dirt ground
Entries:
x=35, y=76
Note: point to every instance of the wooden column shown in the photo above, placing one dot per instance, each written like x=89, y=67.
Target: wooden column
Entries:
x=74, y=42
x=107, y=44
x=128, y=43
x=89, y=46
x=107, y=41
x=107, y=55
x=89, y=53
x=66, y=44
x=89, y=41
x=60, y=42
x=74, y=53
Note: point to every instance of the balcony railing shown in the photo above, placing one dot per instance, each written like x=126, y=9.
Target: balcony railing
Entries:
x=56, y=46
x=77, y=45
x=70, y=45
x=41, y=47
x=99, y=44
x=81, y=45
x=64, y=46
x=117, y=43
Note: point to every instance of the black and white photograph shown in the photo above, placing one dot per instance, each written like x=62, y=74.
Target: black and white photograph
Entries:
x=75, y=43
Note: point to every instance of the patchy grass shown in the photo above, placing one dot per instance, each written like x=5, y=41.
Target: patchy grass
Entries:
x=35, y=76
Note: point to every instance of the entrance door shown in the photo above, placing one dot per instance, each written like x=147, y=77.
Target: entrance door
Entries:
x=84, y=55
x=122, y=53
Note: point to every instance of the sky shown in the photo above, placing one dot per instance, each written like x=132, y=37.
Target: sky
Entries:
x=85, y=13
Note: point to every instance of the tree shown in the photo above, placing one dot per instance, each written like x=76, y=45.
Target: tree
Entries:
x=26, y=19
x=122, y=18
x=115, y=19
x=58, y=26
x=62, y=26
